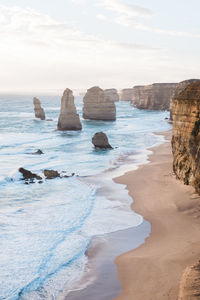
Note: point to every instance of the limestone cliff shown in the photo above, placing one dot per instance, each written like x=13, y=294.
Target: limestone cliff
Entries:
x=153, y=97
x=39, y=111
x=98, y=106
x=190, y=283
x=112, y=94
x=126, y=94
x=186, y=135
x=180, y=87
x=68, y=119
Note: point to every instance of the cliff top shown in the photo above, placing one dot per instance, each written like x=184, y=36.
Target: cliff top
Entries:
x=192, y=92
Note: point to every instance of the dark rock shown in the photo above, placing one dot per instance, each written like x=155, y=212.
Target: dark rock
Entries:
x=51, y=174
x=49, y=120
x=28, y=175
x=100, y=140
x=38, y=152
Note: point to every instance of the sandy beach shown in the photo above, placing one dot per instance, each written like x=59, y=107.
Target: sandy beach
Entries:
x=154, y=270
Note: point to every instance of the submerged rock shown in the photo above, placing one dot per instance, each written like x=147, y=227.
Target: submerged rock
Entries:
x=68, y=119
x=100, y=140
x=51, y=174
x=39, y=111
x=98, y=106
x=28, y=175
x=38, y=152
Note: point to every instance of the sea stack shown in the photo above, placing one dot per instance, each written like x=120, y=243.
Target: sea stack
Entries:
x=153, y=97
x=112, y=94
x=68, y=119
x=180, y=87
x=98, y=106
x=186, y=135
x=39, y=111
x=126, y=94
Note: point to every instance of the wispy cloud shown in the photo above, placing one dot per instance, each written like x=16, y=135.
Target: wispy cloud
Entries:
x=125, y=9
x=55, y=53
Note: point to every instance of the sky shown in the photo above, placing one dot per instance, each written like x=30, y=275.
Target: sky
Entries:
x=49, y=45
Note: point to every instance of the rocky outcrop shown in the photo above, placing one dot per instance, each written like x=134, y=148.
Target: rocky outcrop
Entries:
x=28, y=176
x=98, y=106
x=100, y=140
x=126, y=94
x=180, y=87
x=51, y=174
x=153, y=97
x=39, y=111
x=112, y=94
x=186, y=135
x=68, y=119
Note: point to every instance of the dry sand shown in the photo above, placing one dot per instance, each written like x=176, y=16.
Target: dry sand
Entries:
x=153, y=271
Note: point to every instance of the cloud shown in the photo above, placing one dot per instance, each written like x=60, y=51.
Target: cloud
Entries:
x=125, y=9
x=38, y=51
x=101, y=17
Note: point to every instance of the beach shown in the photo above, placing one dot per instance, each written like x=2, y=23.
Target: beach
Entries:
x=154, y=270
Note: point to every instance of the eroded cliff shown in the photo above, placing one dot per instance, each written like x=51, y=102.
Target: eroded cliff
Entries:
x=153, y=97
x=186, y=135
x=180, y=87
x=126, y=94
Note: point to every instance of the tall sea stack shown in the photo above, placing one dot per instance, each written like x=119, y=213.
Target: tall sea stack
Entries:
x=68, y=119
x=186, y=135
x=39, y=111
x=98, y=106
x=113, y=94
x=153, y=97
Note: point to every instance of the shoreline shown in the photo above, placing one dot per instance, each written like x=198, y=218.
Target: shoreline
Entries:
x=154, y=270
x=104, y=249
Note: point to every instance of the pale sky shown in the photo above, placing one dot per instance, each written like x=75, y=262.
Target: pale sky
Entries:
x=49, y=45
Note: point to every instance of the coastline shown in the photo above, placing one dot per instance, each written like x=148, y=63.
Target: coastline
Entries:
x=100, y=274
x=154, y=270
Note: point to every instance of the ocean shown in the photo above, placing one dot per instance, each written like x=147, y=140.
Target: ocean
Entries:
x=45, y=229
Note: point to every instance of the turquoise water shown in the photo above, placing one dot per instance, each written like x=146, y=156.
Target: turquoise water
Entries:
x=46, y=228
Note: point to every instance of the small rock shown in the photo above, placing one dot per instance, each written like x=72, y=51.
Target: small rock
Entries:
x=100, y=140
x=28, y=175
x=49, y=120
x=38, y=152
x=51, y=174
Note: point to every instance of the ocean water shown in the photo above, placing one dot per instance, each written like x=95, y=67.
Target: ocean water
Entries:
x=45, y=229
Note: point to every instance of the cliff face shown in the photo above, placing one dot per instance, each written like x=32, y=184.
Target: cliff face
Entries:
x=68, y=119
x=186, y=135
x=153, y=97
x=112, y=94
x=126, y=95
x=98, y=106
x=180, y=87
x=39, y=111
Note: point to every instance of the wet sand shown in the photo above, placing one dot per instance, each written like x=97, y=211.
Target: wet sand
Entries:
x=154, y=270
